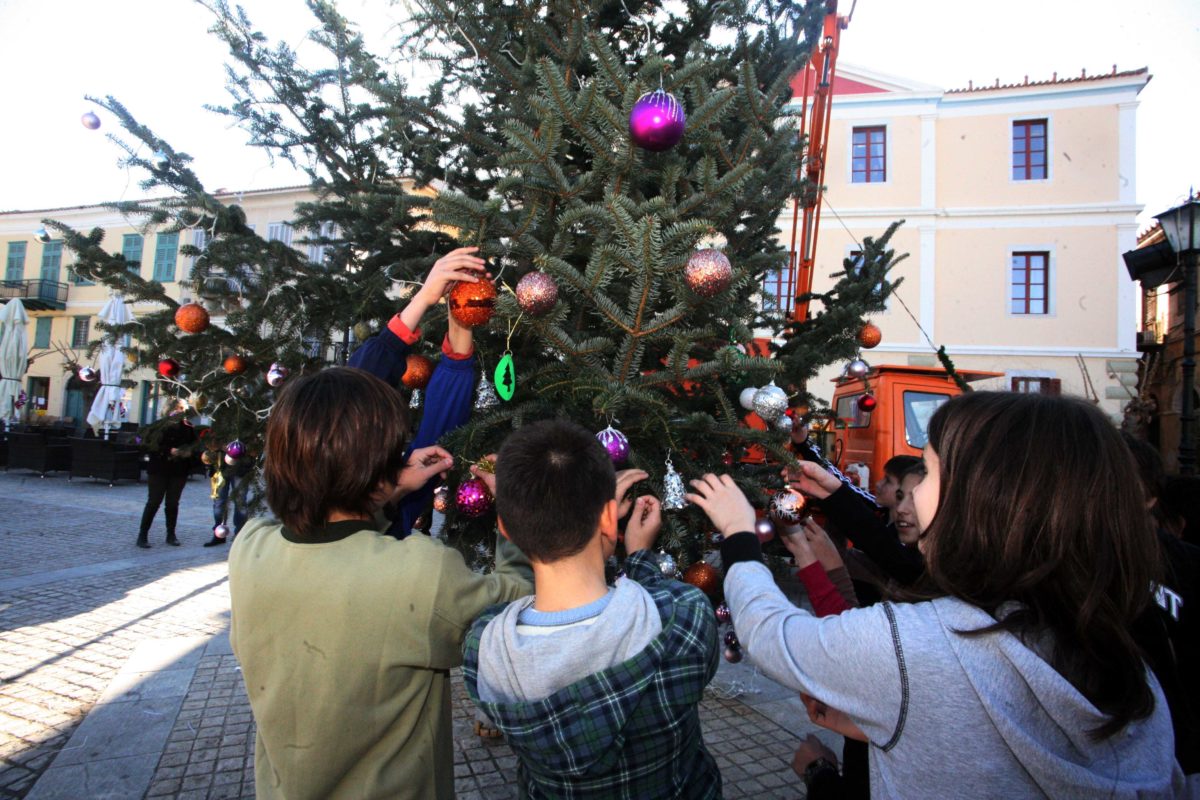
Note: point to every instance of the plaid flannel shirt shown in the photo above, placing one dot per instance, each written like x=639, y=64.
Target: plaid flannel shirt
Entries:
x=629, y=731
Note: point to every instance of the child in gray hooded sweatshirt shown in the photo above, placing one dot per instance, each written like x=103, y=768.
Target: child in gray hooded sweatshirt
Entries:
x=1018, y=677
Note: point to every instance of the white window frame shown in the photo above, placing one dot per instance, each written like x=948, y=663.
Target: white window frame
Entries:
x=886, y=124
x=280, y=232
x=1049, y=117
x=1051, y=281
x=848, y=252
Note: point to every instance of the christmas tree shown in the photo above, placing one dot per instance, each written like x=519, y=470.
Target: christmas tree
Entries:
x=629, y=259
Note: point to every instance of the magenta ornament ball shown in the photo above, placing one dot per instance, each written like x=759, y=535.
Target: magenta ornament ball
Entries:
x=473, y=498
x=657, y=121
x=235, y=449
x=536, y=293
x=615, y=443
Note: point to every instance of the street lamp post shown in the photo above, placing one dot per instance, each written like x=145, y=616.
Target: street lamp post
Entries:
x=1181, y=225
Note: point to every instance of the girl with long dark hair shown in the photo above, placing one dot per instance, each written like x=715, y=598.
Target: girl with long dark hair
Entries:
x=1018, y=676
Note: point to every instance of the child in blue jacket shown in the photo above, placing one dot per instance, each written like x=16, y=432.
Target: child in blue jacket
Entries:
x=450, y=394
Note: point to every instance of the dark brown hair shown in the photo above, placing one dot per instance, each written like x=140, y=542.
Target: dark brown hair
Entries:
x=552, y=481
x=1041, y=504
x=332, y=438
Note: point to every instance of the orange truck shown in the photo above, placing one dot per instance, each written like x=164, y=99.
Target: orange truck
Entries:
x=906, y=398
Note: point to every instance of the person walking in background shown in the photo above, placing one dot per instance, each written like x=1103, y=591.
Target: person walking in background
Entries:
x=167, y=468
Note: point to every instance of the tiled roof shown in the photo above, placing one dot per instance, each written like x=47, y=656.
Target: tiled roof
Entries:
x=1083, y=77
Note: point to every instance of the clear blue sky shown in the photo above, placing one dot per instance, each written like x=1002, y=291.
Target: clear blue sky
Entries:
x=156, y=57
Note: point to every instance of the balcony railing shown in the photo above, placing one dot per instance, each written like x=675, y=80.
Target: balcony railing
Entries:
x=37, y=295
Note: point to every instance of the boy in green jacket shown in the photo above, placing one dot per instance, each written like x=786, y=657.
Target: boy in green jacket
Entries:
x=346, y=636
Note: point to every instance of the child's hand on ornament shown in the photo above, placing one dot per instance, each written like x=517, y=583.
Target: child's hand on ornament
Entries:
x=626, y=478
x=822, y=546
x=812, y=479
x=457, y=265
x=423, y=463
x=797, y=544
x=487, y=476
x=644, y=524
x=726, y=506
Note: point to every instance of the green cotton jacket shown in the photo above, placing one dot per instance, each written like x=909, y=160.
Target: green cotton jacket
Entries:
x=346, y=641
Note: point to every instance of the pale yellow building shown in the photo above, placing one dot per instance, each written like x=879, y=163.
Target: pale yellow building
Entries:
x=1018, y=202
x=63, y=309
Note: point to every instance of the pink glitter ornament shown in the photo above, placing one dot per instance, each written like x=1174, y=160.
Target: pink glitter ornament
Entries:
x=708, y=272
x=657, y=121
x=536, y=293
x=473, y=498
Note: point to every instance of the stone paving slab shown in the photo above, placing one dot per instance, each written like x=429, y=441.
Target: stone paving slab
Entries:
x=125, y=653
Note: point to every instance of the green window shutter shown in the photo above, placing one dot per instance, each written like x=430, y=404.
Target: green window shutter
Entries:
x=15, y=268
x=165, y=251
x=51, y=261
x=131, y=251
x=41, y=335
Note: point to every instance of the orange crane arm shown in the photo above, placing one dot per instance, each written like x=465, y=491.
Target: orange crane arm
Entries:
x=816, y=99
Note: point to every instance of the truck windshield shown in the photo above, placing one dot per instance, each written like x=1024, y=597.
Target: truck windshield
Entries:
x=918, y=408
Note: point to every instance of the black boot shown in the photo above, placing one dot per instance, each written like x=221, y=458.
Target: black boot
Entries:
x=171, y=540
x=213, y=542
x=143, y=542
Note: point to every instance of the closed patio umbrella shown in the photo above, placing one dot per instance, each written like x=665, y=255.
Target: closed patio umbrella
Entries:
x=106, y=407
x=14, y=355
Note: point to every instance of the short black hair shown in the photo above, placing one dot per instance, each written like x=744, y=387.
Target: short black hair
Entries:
x=553, y=478
x=899, y=466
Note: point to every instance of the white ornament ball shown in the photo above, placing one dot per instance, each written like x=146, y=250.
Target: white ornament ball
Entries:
x=746, y=398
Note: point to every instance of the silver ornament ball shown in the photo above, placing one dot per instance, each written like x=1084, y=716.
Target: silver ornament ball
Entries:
x=783, y=423
x=667, y=565
x=858, y=368
x=770, y=401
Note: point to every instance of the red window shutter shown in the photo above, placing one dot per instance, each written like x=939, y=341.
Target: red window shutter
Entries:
x=1052, y=386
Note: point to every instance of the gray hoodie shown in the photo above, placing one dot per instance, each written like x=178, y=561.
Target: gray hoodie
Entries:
x=949, y=715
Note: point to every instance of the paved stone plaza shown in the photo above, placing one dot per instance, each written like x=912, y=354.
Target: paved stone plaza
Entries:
x=117, y=681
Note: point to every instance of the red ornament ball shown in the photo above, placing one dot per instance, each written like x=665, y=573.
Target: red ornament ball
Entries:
x=870, y=335
x=441, y=499
x=191, y=318
x=867, y=403
x=168, y=368
x=473, y=304
x=473, y=498
x=418, y=372
x=764, y=529
x=703, y=576
x=732, y=655
x=708, y=272
x=536, y=293
x=235, y=364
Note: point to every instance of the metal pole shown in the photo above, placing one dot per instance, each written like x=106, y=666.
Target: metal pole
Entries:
x=1187, y=417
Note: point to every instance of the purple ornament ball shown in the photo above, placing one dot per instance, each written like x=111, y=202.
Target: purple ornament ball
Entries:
x=657, y=121
x=724, y=616
x=536, y=293
x=615, y=443
x=732, y=655
x=731, y=641
x=473, y=498
x=90, y=121
x=235, y=449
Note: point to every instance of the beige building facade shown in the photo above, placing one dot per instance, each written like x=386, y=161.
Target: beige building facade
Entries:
x=63, y=309
x=1018, y=202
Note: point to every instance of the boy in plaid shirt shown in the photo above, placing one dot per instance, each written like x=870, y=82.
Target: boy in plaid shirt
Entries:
x=595, y=687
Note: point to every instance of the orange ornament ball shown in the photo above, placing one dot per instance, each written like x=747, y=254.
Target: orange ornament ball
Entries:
x=703, y=576
x=191, y=318
x=418, y=371
x=472, y=304
x=870, y=335
x=235, y=364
